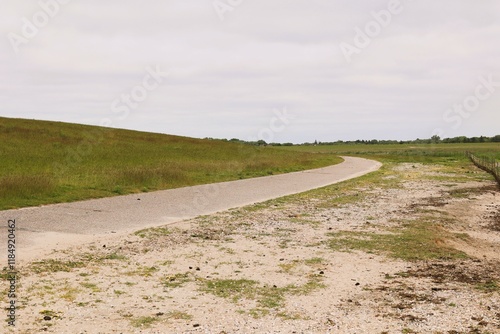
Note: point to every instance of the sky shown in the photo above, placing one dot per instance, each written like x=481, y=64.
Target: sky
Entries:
x=277, y=70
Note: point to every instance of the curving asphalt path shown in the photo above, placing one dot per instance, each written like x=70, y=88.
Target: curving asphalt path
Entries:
x=137, y=211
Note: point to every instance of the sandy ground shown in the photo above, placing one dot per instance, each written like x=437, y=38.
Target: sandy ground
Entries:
x=271, y=267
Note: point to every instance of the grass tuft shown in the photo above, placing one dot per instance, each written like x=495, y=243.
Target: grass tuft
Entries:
x=267, y=297
x=53, y=266
x=143, y=322
x=417, y=240
x=152, y=233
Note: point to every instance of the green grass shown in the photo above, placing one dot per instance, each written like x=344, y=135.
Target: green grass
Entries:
x=114, y=256
x=153, y=232
x=143, y=322
x=143, y=271
x=488, y=286
x=401, y=152
x=175, y=281
x=52, y=162
x=52, y=266
x=413, y=241
x=178, y=315
x=266, y=297
x=91, y=286
x=81, y=261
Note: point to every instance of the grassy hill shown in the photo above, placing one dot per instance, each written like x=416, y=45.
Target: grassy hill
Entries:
x=50, y=162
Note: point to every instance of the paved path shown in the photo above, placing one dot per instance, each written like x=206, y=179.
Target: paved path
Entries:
x=133, y=212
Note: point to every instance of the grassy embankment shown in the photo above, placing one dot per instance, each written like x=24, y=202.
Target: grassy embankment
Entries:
x=52, y=162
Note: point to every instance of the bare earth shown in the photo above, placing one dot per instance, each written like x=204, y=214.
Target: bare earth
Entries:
x=281, y=267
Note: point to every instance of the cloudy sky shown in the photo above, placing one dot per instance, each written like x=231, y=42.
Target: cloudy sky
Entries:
x=278, y=70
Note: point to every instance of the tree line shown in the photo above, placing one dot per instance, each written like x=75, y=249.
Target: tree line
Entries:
x=433, y=140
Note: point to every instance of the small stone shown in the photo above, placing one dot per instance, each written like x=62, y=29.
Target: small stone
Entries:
x=358, y=284
x=198, y=269
x=159, y=314
x=196, y=325
x=321, y=272
x=47, y=318
x=190, y=268
x=282, y=259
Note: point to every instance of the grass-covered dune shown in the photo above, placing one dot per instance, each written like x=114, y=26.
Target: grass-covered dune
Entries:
x=50, y=162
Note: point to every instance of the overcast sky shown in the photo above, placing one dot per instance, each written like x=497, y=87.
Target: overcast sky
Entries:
x=278, y=70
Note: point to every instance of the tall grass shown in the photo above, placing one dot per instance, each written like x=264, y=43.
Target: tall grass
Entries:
x=49, y=162
x=26, y=185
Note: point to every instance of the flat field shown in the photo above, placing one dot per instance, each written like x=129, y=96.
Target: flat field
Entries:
x=404, y=152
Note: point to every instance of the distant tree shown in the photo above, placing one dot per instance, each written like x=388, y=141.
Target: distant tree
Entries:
x=261, y=143
x=435, y=139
